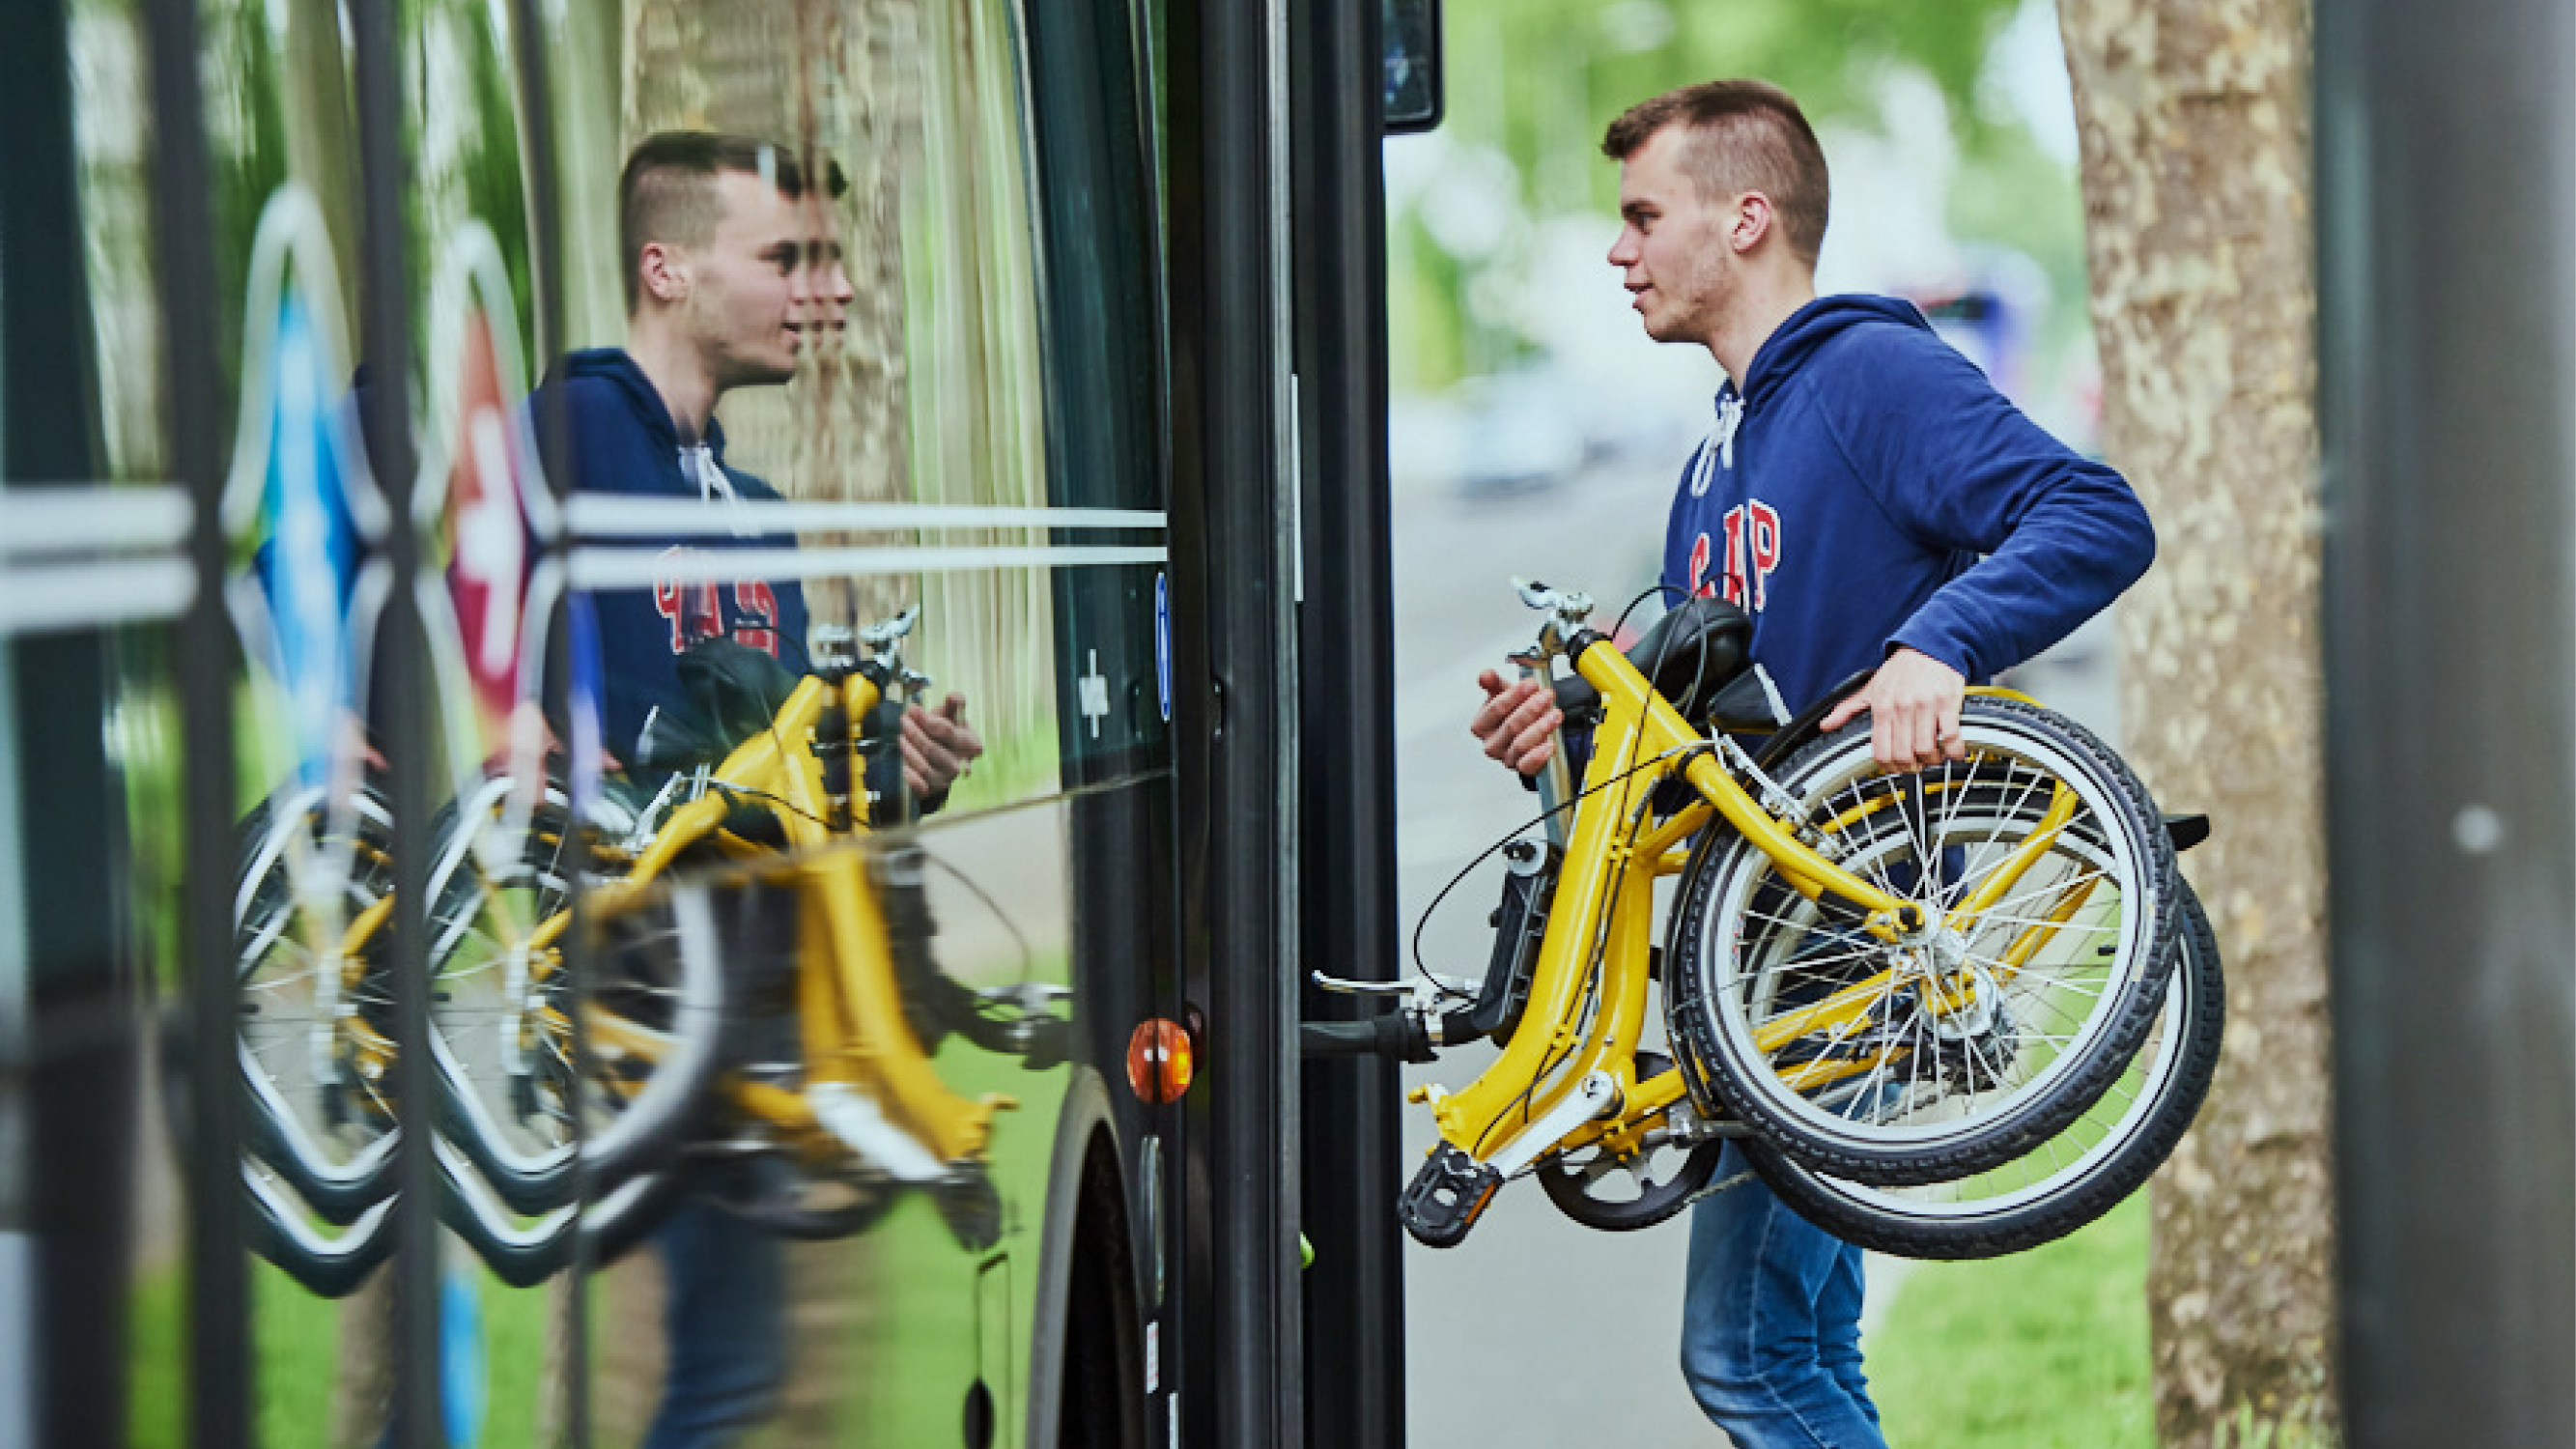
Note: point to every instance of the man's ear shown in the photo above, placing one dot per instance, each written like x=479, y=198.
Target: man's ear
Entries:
x=1753, y=221
x=662, y=272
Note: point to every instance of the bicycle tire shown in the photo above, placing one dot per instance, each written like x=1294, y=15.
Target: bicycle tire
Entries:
x=1909, y=1094
x=1571, y=1180
x=523, y=1250
x=501, y=1038
x=2067, y=1182
x=329, y=1131
x=326, y=1262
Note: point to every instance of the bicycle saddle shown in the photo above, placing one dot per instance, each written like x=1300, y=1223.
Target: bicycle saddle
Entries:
x=734, y=691
x=1689, y=655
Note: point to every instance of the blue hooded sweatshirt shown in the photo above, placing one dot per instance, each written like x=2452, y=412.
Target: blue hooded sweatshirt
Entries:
x=623, y=442
x=1867, y=488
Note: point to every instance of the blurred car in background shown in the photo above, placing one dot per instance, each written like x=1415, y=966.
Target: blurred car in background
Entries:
x=1518, y=432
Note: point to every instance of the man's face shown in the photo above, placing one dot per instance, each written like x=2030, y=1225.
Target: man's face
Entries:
x=1673, y=248
x=750, y=295
x=826, y=281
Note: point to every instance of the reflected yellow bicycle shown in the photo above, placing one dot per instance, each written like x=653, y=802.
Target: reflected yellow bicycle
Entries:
x=761, y=991
x=764, y=989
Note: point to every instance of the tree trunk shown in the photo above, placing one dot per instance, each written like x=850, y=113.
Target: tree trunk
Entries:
x=2194, y=118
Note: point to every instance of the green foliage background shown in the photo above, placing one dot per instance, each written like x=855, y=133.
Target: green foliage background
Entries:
x=1538, y=81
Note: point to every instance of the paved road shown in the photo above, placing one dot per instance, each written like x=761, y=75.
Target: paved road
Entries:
x=1523, y=1334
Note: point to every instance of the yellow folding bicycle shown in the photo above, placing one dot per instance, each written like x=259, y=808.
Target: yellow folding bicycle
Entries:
x=805, y=1051
x=1887, y=985
x=761, y=990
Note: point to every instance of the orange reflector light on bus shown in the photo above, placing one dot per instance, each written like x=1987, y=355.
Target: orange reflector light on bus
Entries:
x=1159, y=1061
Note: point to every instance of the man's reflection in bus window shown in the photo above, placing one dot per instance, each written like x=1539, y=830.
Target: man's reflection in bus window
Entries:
x=734, y=277
x=719, y=296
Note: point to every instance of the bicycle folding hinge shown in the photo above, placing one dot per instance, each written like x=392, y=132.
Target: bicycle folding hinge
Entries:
x=1592, y=1097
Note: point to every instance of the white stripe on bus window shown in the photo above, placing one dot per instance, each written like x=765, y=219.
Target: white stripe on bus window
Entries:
x=594, y=515
x=84, y=595
x=644, y=568
x=92, y=518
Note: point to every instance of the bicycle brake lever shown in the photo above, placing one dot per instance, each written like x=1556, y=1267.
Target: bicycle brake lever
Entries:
x=1571, y=605
x=1028, y=995
x=1361, y=988
x=886, y=631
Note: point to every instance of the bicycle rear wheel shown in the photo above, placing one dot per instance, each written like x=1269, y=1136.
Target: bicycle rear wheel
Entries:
x=2049, y=882
x=523, y=1250
x=2066, y=1182
x=502, y=1005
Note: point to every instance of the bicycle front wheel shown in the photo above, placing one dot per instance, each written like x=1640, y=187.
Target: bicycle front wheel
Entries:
x=2047, y=883
x=2067, y=1181
x=313, y=1022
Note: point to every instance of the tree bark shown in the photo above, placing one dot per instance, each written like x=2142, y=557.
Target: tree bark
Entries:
x=2194, y=117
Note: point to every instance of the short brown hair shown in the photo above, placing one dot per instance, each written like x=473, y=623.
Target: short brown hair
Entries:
x=667, y=192
x=1746, y=135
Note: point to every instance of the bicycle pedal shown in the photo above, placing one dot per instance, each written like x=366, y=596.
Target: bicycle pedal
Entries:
x=1448, y=1193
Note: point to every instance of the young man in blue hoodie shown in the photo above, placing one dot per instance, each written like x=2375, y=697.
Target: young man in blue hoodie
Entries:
x=731, y=272
x=1873, y=503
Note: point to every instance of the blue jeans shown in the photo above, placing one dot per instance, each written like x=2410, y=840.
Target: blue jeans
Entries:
x=1771, y=1324
x=726, y=1322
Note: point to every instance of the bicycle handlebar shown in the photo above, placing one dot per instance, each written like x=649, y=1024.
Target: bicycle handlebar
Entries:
x=1398, y=1034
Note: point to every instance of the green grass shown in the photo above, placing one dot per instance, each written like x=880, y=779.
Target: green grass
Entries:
x=295, y=1360
x=2041, y=1350
x=921, y=1352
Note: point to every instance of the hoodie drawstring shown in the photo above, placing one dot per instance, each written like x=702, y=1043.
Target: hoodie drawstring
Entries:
x=700, y=463
x=1718, y=449
x=715, y=487
x=1730, y=414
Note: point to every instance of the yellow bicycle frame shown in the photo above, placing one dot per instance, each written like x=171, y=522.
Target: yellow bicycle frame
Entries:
x=850, y=1004
x=1602, y=916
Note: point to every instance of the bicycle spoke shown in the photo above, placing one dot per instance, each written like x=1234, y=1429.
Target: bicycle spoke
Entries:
x=2046, y=888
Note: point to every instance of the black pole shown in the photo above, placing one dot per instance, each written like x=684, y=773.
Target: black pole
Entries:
x=534, y=93
x=1355, y=1290
x=403, y=701
x=74, y=1055
x=218, y=1362
x=2448, y=133
x=1233, y=726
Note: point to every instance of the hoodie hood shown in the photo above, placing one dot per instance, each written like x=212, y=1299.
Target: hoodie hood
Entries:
x=1789, y=346
x=612, y=371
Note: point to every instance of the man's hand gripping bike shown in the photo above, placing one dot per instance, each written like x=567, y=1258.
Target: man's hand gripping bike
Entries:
x=1932, y=1006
